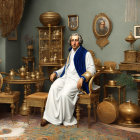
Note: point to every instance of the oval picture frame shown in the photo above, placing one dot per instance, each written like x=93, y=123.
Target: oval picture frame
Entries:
x=102, y=26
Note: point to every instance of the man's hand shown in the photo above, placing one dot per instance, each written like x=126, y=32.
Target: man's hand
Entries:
x=80, y=83
x=52, y=76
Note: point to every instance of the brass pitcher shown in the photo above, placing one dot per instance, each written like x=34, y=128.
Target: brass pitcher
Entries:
x=22, y=71
x=12, y=73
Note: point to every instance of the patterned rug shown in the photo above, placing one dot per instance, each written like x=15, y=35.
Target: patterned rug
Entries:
x=19, y=129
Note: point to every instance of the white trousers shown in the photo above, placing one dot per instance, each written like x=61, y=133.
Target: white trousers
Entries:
x=61, y=102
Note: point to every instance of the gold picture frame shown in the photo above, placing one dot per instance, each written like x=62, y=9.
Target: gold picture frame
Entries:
x=73, y=22
x=101, y=21
x=13, y=35
x=137, y=31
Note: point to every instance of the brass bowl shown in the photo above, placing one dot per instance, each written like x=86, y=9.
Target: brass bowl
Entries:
x=112, y=82
x=50, y=18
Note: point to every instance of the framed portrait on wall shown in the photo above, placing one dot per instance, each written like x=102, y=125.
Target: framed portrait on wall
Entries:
x=73, y=22
x=102, y=28
x=137, y=31
x=13, y=35
x=101, y=25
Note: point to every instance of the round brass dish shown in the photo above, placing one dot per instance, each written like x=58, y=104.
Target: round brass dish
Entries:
x=108, y=111
x=112, y=82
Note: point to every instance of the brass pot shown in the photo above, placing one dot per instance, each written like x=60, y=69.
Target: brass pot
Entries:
x=22, y=72
x=112, y=82
x=50, y=18
x=129, y=112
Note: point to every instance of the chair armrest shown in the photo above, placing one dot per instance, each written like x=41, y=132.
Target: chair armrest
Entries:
x=4, y=73
x=91, y=82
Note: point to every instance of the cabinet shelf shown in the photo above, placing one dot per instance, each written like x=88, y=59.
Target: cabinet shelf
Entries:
x=50, y=64
x=50, y=45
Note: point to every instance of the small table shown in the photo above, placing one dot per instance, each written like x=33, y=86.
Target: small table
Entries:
x=26, y=82
x=119, y=87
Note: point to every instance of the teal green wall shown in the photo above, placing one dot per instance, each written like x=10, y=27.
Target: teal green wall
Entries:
x=2, y=53
x=86, y=10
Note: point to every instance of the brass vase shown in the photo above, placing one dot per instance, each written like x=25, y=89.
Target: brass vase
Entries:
x=50, y=18
x=22, y=72
x=129, y=112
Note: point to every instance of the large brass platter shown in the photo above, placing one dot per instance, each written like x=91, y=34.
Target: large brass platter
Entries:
x=107, y=111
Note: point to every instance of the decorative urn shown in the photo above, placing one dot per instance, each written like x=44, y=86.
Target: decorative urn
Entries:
x=131, y=39
x=50, y=18
x=129, y=112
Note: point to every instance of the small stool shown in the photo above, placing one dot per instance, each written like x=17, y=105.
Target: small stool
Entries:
x=37, y=99
x=10, y=99
x=119, y=87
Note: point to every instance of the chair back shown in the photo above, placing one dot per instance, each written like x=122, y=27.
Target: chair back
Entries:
x=97, y=61
x=1, y=81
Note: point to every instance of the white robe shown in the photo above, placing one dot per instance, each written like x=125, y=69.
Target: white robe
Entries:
x=63, y=93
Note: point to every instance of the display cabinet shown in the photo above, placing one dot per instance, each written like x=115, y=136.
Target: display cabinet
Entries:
x=50, y=46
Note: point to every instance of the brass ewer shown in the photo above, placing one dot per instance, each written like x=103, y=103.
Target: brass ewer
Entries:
x=22, y=72
x=11, y=73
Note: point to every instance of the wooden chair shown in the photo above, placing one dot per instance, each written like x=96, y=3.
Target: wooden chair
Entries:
x=89, y=99
x=93, y=97
x=37, y=99
x=11, y=97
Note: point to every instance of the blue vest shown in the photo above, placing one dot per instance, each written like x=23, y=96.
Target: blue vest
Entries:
x=80, y=65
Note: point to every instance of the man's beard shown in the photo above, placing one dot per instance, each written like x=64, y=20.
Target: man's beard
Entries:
x=102, y=29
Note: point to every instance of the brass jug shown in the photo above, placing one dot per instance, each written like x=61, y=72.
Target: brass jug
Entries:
x=33, y=75
x=12, y=73
x=22, y=71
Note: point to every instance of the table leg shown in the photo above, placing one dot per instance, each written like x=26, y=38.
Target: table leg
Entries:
x=119, y=96
x=105, y=94
x=124, y=94
x=138, y=89
x=23, y=108
x=12, y=106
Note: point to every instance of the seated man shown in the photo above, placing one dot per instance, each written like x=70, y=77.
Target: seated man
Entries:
x=63, y=92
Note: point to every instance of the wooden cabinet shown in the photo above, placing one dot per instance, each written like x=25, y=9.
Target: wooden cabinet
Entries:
x=50, y=46
x=129, y=66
